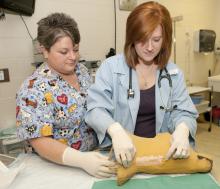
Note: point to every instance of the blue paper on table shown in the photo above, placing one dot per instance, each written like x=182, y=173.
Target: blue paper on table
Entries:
x=192, y=181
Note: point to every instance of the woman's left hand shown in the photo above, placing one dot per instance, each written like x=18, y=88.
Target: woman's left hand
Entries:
x=179, y=143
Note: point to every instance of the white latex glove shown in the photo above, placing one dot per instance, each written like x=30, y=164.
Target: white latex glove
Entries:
x=123, y=146
x=179, y=143
x=93, y=163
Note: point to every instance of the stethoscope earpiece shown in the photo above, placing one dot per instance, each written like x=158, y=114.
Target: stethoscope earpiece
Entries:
x=168, y=109
x=175, y=106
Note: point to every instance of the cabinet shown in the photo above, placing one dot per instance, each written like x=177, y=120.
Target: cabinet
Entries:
x=214, y=82
x=204, y=105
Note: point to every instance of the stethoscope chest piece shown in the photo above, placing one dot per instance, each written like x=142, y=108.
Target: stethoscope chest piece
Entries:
x=130, y=93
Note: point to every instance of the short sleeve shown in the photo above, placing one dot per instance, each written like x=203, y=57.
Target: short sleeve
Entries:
x=34, y=117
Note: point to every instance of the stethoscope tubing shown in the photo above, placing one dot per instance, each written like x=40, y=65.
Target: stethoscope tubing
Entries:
x=167, y=76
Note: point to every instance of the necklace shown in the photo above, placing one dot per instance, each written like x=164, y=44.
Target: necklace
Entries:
x=142, y=75
x=143, y=78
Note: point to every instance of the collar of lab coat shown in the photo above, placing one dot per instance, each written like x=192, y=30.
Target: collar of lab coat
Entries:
x=122, y=69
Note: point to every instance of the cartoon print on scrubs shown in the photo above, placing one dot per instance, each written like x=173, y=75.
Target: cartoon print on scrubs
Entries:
x=48, y=106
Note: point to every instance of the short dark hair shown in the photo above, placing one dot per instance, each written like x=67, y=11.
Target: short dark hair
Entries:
x=55, y=26
x=141, y=23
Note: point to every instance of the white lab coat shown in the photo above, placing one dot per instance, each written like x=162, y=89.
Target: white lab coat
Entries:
x=108, y=103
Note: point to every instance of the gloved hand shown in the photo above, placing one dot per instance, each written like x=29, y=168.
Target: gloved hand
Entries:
x=179, y=142
x=93, y=163
x=122, y=144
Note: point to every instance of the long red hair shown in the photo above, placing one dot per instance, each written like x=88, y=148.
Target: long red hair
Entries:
x=141, y=23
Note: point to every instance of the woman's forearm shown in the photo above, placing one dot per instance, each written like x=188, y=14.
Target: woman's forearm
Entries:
x=49, y=148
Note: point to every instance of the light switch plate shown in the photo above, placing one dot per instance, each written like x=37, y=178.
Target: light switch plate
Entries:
x=127, y=5
x=4, y=75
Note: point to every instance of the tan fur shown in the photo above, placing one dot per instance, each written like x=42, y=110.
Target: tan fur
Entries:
x=150, y=158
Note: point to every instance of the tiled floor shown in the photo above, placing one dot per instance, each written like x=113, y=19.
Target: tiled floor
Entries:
x=209, y=143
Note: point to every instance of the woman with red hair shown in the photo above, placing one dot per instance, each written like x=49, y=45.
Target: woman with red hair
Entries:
x=141, y=91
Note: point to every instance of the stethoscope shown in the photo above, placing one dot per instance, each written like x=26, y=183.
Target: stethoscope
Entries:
x=162, y=76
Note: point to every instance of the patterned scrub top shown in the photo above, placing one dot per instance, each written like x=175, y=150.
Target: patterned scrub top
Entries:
x=48, y=106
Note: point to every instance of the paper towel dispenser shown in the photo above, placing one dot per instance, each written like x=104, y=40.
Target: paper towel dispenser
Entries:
x=204, y=40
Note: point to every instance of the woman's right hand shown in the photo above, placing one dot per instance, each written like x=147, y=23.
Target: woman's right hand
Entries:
x=98, y=165
x=93, y=163
x=122, y=144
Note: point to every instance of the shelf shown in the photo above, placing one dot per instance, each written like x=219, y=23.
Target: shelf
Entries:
x=214, y=82
x=197, y=89
x=203, y=107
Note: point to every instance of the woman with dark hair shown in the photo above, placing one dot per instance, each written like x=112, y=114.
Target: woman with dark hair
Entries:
x=141, y=91
x=51, y=103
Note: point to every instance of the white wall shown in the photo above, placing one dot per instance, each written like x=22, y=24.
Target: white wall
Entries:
x=96, y=24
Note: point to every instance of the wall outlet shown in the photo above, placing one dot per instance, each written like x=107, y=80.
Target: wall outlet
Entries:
x=127, y=5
